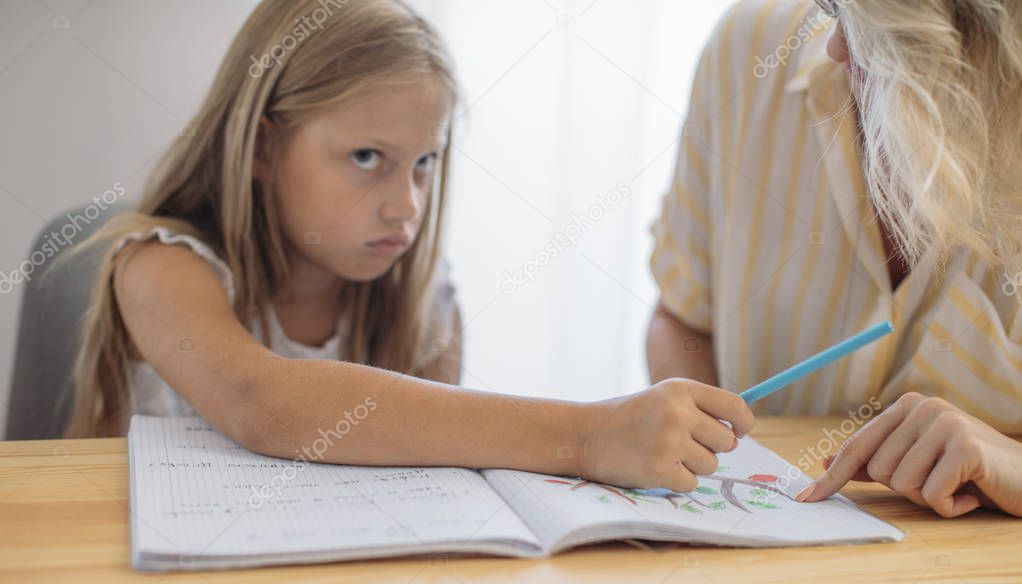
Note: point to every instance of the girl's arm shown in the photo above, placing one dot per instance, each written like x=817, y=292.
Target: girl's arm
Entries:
x=674, y=349
x=181, y=322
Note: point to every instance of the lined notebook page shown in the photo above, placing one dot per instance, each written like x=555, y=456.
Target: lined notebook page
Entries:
x=196, y=494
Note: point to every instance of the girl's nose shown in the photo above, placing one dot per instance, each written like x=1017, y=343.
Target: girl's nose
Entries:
x=402, y=204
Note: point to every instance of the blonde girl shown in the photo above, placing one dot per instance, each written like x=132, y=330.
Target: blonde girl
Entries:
x=280, y=277
x=847, y=162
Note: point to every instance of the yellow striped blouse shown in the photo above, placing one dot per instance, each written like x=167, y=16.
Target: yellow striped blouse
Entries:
x=768, y=241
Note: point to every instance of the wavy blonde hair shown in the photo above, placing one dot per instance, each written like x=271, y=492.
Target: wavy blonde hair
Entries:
x=941, y=110
x=204, y=186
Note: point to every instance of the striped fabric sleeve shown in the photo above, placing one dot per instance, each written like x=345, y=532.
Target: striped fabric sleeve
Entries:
x=971, y=354
x=682, y=233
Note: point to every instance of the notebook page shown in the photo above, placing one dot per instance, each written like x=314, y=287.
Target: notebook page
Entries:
x=749, y=501
x=197, y=494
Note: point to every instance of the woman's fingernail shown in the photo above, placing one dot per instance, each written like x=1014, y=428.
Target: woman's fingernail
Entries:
x=805, y=493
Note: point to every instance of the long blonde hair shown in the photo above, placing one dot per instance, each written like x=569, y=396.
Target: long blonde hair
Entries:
x=291, y=57
x=941, y=110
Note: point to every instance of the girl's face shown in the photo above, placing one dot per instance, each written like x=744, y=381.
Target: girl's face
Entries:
x=353, y=180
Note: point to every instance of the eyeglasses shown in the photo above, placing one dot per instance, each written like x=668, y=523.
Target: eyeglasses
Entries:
x=829, y=7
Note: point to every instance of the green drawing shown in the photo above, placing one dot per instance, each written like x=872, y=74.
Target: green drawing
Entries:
x=635, y=495
x=688, y=507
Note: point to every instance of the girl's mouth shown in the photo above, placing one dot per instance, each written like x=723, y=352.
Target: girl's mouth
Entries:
x=392, y=245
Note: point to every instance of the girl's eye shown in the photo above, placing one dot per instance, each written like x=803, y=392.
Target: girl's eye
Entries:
x=426, y=162
x=366, y=159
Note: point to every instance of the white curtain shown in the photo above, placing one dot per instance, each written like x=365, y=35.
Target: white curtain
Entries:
x=565, y=141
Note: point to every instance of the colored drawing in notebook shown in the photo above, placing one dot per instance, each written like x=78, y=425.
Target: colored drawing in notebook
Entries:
x=714, y=493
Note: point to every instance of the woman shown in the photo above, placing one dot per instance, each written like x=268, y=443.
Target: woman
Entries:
x=843, y=164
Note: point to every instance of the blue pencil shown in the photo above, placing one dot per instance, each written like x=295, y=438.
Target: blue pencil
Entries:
x=793, y=374
x=817, y=361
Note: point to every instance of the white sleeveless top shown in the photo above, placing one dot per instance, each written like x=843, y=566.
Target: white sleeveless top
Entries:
x=152, y=396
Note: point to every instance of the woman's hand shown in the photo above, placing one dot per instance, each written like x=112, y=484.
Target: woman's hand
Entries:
x=663, y=436
x=933, y=453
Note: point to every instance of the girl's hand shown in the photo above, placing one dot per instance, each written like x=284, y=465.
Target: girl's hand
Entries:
x=661, y=437
x=933, y=453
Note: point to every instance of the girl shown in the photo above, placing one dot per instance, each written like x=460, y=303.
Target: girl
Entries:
x=844, y=164
x=280, y=277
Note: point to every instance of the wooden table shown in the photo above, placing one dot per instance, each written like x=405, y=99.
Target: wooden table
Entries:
x=64, y=516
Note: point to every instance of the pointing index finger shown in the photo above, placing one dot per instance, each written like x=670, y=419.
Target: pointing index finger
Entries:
x=854, y=454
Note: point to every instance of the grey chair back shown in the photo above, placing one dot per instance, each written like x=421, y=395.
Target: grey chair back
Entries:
x=53, y=309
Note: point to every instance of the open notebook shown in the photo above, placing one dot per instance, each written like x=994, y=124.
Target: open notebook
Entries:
x=200, y=501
